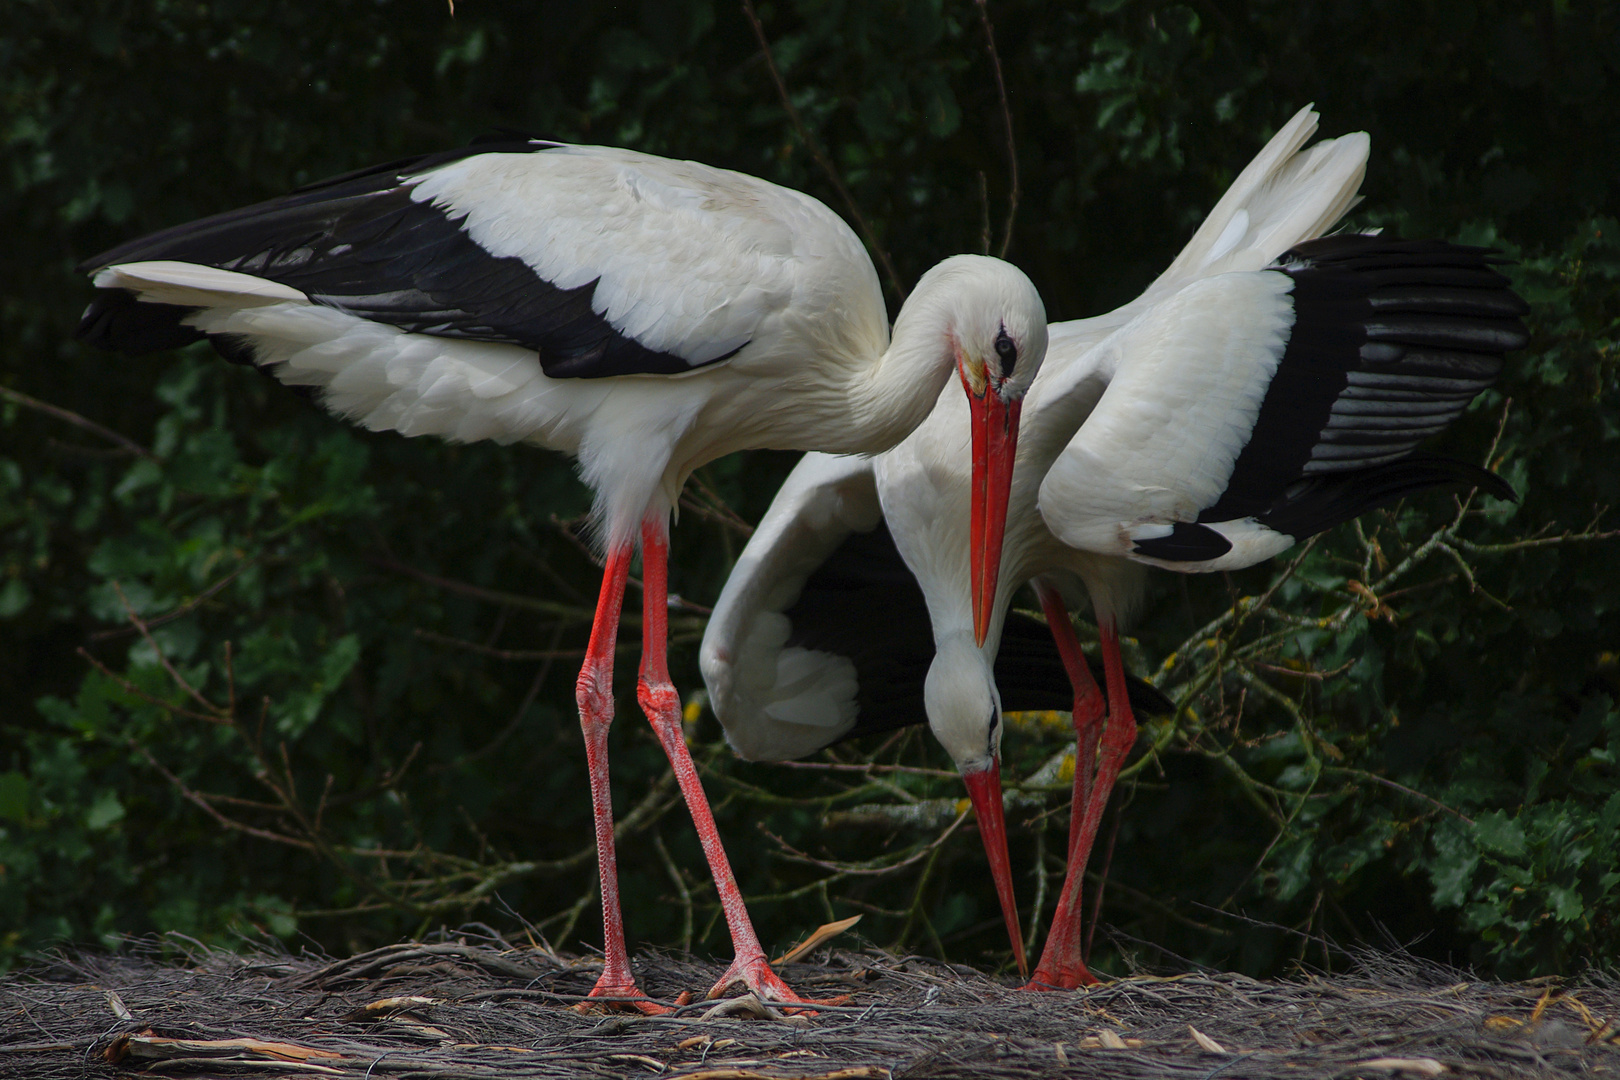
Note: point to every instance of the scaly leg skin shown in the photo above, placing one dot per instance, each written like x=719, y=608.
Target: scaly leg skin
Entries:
x=663, y=709
x=594, y=692
x=1062, y=964
x=1089, y=705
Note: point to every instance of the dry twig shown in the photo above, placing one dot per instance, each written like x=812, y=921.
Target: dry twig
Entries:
x=826, y=166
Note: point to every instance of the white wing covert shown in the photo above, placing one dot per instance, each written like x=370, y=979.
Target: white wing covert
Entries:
x=601, y=261
x=1251, y=410
x=1284, y=196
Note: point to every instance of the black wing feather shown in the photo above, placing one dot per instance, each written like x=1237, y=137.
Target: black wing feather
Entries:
x=1328, y=499
x=863, y=603
x=1391, y=340
x=359, y=243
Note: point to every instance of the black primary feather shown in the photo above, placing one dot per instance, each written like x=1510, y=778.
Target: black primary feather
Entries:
x=1391, y=340
x=359, y=243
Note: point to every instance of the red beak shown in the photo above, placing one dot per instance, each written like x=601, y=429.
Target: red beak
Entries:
x=984, y=789
x=995, y=441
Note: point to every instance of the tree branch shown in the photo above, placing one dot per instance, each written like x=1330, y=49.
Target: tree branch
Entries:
x=1006, y=120
x=78, y=421
x=878, y=252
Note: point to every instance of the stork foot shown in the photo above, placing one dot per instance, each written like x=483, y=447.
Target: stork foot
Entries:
x=610, y=988
x=1069, y=977
x=756, y=974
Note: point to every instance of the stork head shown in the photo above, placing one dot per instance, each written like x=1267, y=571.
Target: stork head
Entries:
x=997, y=335
x=964, y=711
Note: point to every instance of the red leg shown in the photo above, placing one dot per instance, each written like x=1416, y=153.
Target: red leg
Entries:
x=663, y=709
x=1116, y=743
x=1061, y=963
x=1120, y=735
x=594, y=692
x=1089, y=705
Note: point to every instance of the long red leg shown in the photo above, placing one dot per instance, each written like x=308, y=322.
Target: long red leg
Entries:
x=1117, y=739
x=663, y=709
x=594, y=692
x=1061, y=962
x=1089, y=705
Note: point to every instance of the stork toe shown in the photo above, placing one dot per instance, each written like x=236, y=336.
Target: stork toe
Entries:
x=756, y=974
x=613, y=993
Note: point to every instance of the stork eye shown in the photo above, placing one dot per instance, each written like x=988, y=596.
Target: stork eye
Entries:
x=1007, y=350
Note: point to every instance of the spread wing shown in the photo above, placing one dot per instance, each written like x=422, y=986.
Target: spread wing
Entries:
x=1284, y=196
x=601, y=261
x=823, y=634
x=778, y=700
x=1250, y=410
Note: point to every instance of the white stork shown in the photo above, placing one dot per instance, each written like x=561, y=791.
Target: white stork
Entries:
x=643, y=314
x=786, y=677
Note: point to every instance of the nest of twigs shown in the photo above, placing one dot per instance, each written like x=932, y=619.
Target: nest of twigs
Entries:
x=465, y=1007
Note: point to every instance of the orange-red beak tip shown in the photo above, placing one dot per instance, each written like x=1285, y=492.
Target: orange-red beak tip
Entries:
x=984, y=791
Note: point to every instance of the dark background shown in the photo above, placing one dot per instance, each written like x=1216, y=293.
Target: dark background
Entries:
x=1441, y=774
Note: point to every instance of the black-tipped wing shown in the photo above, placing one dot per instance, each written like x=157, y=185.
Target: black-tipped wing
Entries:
x=1391, y=340
x=603, y=262
x=822, y=633
x=1253, y=410
x=361, y=244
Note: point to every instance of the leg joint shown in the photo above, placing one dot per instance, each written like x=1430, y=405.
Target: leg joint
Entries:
x=594, y=693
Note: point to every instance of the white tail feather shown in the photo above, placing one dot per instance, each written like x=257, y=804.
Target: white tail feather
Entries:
x=1283, y=197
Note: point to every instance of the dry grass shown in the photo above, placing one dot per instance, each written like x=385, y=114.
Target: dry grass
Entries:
x=470, y=1006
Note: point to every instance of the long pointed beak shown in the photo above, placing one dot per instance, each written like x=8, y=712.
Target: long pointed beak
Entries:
x=995, y=443
x=984, y=789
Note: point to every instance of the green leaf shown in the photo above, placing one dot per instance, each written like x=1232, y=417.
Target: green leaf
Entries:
x=13, y=598
x=104, y=812
x=1452, y=868
x=14, y=796
x=1566, y=903
x=1500, y=834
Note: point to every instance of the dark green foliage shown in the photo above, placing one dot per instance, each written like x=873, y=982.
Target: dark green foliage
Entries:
x=369, y=623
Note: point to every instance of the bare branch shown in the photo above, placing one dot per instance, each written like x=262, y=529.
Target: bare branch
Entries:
x=179, y=680
x=1387, y=782
x=871, y=867
x=717, y=506
x=184, y=609
x=1540, y=542
x=1006, y=120
x=984, y=214
x=508, y=654
x=517, y=716
x=135, y=691
x=1468, y=574
x=495, y=596
x=681, y=891
x=869, y=768
x=1501, y=426
x=78, y=421
x=202, y=802
x=821, y=160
